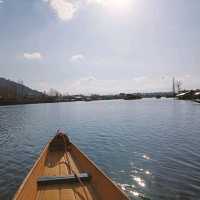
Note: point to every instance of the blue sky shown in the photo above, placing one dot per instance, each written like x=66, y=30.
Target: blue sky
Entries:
x=100, y=46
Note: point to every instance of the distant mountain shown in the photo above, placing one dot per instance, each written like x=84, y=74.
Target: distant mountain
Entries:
x=12, y=90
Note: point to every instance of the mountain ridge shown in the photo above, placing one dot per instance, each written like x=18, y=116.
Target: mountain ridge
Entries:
x=11, y=90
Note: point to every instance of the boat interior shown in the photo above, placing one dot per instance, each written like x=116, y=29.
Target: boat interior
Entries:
x=63, y=172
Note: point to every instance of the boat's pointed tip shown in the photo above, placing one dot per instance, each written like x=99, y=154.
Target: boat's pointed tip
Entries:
x=60, y=133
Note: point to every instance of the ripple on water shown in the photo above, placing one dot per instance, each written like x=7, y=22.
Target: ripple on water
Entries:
x=151, y=146
x=129, y=189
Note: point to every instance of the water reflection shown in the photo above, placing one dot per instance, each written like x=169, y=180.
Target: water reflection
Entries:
x=146, y=157
x=139, y=180
x=147, y=172
x=151, y=148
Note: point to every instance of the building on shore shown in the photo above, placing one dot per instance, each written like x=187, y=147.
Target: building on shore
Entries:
x=189, y=95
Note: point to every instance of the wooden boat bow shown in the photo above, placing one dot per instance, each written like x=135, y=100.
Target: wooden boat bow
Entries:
x=63, y=172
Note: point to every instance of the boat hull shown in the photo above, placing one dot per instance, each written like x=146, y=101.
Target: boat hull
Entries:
x=52, y=162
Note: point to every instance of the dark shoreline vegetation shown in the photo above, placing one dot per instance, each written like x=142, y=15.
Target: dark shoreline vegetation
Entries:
x=74, y=98
x=12, y=93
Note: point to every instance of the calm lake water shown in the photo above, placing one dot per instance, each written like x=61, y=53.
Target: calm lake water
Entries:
x=150, y=147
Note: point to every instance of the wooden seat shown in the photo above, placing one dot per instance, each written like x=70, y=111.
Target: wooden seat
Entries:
x=57, y=180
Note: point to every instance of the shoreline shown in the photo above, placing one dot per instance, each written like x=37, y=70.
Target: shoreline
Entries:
x=12, y=103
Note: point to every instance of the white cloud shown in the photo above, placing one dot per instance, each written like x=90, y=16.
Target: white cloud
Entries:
x=33, y=56
x=77, y=58
x=64, y=9
x=1, y=1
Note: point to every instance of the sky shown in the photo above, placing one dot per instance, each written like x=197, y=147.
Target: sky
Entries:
x=100, y=46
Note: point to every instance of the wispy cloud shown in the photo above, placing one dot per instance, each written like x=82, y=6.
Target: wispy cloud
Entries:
x=64, y=9
x=33, y=56
x=77, y=58
x=1, y=1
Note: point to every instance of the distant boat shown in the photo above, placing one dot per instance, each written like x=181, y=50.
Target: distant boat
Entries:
x=132, y=97
x=63, y=172
x=158, y=97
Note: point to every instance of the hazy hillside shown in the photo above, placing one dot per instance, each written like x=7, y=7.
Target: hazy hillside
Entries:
x=11, y=89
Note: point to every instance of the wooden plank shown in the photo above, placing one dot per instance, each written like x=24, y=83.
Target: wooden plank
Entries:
x=52, y=169
x=79, y=191
x=66, y=192
x=40, y=195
